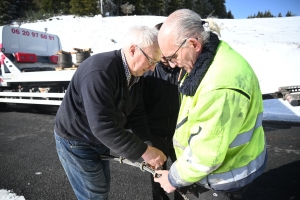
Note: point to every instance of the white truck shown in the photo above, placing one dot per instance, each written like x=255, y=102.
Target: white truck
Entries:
x=28, y=72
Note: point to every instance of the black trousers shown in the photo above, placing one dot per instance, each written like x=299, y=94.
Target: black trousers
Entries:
x=166, y=146
x=205, y=194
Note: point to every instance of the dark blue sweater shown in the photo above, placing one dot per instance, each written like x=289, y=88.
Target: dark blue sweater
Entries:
x=98, y=103
x=162, y=100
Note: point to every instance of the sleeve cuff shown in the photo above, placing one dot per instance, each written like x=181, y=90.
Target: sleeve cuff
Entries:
x=175, y=179
x=148, y=143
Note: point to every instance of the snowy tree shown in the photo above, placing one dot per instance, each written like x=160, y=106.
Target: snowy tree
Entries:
x=127, y=8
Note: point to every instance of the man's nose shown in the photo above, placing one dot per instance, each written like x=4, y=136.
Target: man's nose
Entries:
x=173, y=65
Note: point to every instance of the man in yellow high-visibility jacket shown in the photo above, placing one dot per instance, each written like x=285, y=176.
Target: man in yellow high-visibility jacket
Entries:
x=219, y=139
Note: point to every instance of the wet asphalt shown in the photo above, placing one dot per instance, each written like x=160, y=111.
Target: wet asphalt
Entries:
x=29, y=165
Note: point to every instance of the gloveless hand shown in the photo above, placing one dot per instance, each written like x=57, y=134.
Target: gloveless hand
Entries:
x=164, y=181
x=154, y=157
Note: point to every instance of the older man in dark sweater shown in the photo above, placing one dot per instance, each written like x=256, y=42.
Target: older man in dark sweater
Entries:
x=105, y=93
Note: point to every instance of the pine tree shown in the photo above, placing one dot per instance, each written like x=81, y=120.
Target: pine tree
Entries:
x=12, y=10
x=8, y=12
x=279, y=15
x=36, y=4
x=84, y=7
x=141, y=7
x=77, y=7
x=204, y=8
x=175, y=5
x=55, y=6
x=219, y=8
x=64, y=7
x=189, y=4
x=47, y=6
x=267, y=14
x=157, y=7
x=23, y=6
x=230, y=15
x=259, y=15
x=91, y=7
x=289, y=14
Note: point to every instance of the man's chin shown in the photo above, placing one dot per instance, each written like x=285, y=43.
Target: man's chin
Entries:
x=140, y=74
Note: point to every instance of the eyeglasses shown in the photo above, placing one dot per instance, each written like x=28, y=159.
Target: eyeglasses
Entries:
x=150, y=60
x=169, y=59
x=174, y=56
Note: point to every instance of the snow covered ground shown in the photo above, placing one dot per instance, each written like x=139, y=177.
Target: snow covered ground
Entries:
x=8, y=195
x=271, y=46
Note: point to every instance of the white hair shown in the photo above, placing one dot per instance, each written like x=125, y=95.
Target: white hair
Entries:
x=143, y=36
x=186, y=23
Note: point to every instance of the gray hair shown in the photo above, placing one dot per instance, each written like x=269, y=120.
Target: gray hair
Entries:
x=185, y=23
x=143, y=36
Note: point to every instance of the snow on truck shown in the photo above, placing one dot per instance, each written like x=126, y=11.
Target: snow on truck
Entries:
x=32, y=71
x=32, y=62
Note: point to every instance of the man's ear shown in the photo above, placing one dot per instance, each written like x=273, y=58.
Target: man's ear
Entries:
x=196, y=44
x=132, y=50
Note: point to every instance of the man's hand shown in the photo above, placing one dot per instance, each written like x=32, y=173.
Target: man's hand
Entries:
x=164, y=181
x=154, y=157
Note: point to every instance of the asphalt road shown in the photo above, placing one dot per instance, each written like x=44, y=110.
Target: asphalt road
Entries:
x=30, y=167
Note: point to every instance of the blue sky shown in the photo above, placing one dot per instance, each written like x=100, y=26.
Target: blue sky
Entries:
x=244, y=8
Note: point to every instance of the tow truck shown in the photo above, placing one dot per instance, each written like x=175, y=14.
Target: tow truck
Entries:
x=31, y=71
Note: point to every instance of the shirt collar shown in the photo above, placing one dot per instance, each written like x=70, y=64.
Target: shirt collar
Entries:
x=127, y=72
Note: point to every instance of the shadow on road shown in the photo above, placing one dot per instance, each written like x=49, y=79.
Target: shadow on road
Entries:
x=26, y=108
x=281, y=183
x=273, y=125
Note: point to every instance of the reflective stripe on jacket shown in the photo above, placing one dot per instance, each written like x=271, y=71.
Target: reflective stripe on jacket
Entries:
x=219, y=139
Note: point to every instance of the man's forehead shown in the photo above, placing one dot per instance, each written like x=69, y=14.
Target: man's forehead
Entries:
x=166, y=43
x=165, y=31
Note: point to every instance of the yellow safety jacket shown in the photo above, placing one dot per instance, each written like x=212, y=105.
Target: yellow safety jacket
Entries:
x=219, y=139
